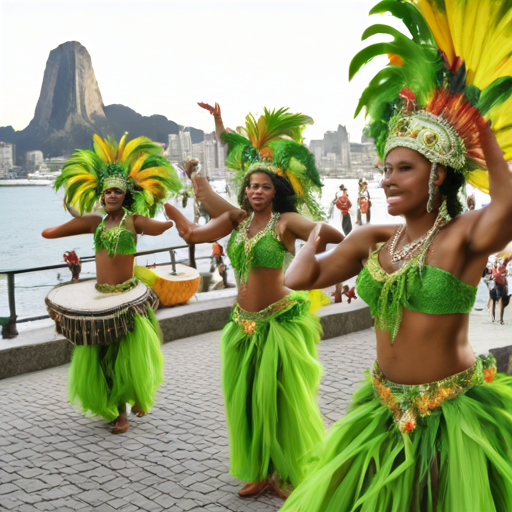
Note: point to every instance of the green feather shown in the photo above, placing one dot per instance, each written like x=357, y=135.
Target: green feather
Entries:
x=495, y=94
x=284, y=150
x=277, y=123
x=411, y=17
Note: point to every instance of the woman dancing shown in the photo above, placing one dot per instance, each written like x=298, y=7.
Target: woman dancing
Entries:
x=270, y=367
x=430, y=428
x=122, y=364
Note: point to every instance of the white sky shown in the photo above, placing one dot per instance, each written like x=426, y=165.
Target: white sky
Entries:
x=161, y=57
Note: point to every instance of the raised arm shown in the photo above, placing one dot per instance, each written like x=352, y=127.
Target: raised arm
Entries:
x=310, y=270
x=146, y=226
x=212, y=202
x=78, y=226
x=213, y=230
x=217, y=116
x=492, y=228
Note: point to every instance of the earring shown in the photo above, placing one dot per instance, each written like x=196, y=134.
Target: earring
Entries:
x=433, y=189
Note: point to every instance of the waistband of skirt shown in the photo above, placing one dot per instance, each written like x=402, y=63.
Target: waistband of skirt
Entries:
x=408, y=403
x=126, y=286
x=249, y=320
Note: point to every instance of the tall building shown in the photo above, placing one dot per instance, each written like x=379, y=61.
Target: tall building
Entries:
x=185, y=144
x=180, y=147
x=33, y=160
x=332, y=153
x=363, y=156
x=6, y=158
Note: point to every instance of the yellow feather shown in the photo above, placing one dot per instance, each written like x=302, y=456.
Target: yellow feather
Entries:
x=439, y=25
x=135, y=167
x=102, y=150
x=153, y=186
x=297, y=187
x=479, y=179
x=153, y=171
x=86, y=178
x=82, y=189
x=131, y=146
x=121, y=146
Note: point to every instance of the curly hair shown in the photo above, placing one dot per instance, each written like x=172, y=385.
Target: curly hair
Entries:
x=284, y=200
x=450, y=187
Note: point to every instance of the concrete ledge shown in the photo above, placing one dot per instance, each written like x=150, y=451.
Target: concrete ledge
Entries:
x=503, y=357
x=41, y=347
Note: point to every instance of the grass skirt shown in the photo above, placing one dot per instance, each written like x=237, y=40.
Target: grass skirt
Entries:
x=456, y=458
x=101, y=377
x=270, y=379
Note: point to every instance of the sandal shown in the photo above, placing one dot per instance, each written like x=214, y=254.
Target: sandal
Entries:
x=138, y=411
x=277, y=490
x=118, y=429
x=251, y=489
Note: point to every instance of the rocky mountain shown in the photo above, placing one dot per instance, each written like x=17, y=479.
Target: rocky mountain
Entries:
x=70, y=110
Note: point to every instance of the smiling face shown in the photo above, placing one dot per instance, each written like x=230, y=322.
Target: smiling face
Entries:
x=260, y=191
x=113, y=199
x=406, y=176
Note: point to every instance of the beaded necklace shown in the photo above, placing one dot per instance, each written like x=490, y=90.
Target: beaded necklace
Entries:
x=250, y=243
x=410, y=249
x=110, y=236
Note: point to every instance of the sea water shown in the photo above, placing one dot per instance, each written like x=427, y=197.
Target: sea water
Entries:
x=26, y=211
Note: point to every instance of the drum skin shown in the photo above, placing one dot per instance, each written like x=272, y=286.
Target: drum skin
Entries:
x=86, y=316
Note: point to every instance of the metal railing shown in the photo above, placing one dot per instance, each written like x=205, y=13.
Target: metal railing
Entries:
x=9, y=323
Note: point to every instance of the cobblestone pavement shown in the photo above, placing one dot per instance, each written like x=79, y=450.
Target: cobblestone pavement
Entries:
x=175, y=459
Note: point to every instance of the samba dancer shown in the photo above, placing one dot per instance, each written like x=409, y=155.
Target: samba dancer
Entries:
x=406, y=445
x=122, y=363
x=270, y=367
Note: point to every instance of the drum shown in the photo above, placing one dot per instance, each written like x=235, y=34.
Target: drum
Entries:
x=171, y=288
x=86, y=316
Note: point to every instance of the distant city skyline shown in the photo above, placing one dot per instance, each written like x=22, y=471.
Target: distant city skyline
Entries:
x=245, y=54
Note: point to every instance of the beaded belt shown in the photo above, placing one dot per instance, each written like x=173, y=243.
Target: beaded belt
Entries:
x=126, y=286
x=249, y=320
x=410, y=402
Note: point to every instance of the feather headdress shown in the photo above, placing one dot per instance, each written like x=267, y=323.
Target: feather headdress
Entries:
x=137, y=167
x=275, y=141
x=443, y=82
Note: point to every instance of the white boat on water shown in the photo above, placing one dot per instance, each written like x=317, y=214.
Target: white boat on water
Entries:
x=39, y=182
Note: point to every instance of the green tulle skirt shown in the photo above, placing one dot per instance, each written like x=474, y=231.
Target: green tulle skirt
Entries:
x=381, y=458
x=270, y=379
x=102, y=377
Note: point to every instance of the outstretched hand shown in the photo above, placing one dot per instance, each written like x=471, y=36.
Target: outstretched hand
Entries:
x=214, y=111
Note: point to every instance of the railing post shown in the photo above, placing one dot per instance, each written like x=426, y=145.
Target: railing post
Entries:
x=173, y=262
x=9, y=329
x=192, y=256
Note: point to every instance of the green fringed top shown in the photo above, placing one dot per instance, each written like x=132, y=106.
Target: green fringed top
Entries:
x=119, y=239
x=415, y=286
x=264, y=249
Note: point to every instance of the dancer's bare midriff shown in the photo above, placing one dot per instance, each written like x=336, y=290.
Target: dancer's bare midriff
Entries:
x=264, y=287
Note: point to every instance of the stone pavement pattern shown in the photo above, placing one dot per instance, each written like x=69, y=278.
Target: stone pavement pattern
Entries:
x=176, y=458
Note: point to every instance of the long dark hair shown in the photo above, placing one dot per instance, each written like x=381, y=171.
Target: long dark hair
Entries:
x=450, y=187
x=284, y=200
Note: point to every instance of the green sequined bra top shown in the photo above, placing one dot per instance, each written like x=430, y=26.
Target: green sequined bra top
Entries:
x=119, y=239
x=264, y=249
x=415, y=286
